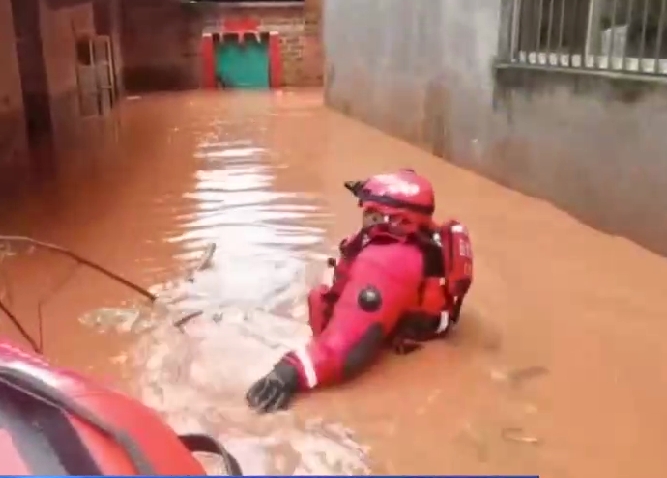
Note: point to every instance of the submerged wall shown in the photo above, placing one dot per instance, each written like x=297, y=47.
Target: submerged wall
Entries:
x=60, y=28
x=425, y=70
x=40, y=55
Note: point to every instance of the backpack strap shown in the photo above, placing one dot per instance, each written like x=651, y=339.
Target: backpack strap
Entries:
x=201, y=443
x=38, y=390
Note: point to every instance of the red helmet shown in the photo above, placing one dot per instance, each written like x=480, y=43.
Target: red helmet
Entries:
x=405, y=197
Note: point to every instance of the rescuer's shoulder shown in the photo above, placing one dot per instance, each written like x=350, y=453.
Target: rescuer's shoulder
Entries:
x=396, y=258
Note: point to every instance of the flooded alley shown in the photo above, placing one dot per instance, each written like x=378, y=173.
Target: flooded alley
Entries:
x=558, y=367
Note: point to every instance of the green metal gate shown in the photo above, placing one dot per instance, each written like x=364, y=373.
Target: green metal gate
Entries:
x=242, y=64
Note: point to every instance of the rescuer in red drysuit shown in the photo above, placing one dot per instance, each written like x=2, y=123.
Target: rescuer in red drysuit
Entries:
x=400, y=280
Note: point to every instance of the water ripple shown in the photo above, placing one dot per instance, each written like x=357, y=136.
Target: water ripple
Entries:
x=268, y=241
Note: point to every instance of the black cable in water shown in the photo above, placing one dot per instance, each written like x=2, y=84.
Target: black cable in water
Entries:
x=37, y=346
x=24, y=333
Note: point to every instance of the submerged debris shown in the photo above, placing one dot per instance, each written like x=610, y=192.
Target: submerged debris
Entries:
x=204, y=262
x=187, y=318
x=516, y=435
x=519, y=376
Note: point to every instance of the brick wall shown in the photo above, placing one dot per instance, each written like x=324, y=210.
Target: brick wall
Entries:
x=161, y=41
x=313, y=51
x=289, y=22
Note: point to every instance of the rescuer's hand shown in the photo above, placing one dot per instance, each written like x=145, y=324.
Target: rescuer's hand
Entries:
x=274, y=391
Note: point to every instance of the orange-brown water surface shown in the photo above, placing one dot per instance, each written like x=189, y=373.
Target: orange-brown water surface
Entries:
x=558, y=368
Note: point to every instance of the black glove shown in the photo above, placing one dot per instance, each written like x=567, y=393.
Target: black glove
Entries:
x=274, y=391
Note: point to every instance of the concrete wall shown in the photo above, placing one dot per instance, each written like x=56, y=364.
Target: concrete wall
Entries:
x=59, y=29
x=107, y=15
x=161, y=41
x=31, y=65
x=424, y=70
x=44, y=35
x=12, y=122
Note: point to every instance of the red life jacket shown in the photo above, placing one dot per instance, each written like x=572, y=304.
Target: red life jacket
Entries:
x=447, y=276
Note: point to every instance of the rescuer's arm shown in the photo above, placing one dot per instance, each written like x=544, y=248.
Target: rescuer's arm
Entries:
x=384, y=282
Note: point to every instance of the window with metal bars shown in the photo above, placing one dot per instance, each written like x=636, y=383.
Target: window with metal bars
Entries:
x=612, y=35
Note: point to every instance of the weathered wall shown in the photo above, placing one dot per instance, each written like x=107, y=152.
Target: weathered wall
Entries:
x=47, y=32
x=31, y=65
x=59, y=29
x=12, y=122
x=424, y=70
x=107, y=15
x=312, y=67
x=159, y=47
x=161, y=41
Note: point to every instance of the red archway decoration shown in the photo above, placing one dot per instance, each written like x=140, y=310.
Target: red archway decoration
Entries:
x=237, y=24
x=208, y=61
x=240, y=26
x=275, y=62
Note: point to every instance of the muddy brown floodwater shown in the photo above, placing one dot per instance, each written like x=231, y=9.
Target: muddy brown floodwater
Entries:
x=559, y=366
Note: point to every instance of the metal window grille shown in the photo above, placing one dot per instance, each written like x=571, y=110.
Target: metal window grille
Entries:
x=607, y=35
